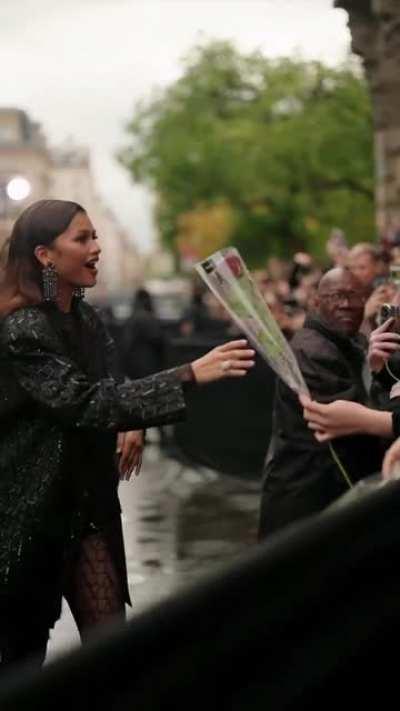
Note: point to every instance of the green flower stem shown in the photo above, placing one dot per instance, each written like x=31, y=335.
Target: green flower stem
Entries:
x=340, y=466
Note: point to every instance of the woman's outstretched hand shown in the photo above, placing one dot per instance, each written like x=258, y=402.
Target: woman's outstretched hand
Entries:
x=335, y=419
x=231, y=360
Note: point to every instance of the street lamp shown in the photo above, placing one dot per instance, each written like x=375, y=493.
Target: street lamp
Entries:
x=16, y=189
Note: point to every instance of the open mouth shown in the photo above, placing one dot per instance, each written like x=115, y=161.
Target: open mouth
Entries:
x=91, y=264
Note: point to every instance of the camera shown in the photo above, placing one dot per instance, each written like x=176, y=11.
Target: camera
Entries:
x=388, y=311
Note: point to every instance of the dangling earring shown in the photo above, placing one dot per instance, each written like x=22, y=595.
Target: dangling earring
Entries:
x=49, y=277
x=79, y=293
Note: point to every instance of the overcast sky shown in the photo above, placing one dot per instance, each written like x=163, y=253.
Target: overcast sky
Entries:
x=78, y=66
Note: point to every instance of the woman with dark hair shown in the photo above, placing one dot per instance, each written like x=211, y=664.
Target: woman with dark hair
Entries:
x=62, y=405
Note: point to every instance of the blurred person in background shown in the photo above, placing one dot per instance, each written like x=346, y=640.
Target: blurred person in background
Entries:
x=306, y=291
x=279, y=297
x=278, y=269
x=302, y=265
x=368, y=264
x=205, y=318
x=389, y=234
x=220, y=324
x=371, y=266
x=394, y=254
x=384, y=293
x=196, y=316
x=143, y=343
x=70, y=427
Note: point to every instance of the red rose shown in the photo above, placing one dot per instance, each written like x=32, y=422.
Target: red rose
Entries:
x=234, y=265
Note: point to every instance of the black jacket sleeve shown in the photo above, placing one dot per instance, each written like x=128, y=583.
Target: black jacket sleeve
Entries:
x=53, y=381
x=327, y=375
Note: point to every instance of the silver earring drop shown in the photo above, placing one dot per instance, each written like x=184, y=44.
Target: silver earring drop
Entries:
x=79, y=293
x=49, y=277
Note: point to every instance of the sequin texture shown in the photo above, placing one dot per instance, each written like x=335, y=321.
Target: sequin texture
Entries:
x=51, y=413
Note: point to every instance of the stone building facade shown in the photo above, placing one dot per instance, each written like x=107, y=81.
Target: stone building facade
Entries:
x=23, y=153
x=375, y=31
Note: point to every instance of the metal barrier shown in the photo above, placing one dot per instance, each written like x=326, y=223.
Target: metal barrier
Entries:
x=228, y=426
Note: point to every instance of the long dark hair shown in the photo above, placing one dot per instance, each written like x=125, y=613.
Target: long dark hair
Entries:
x=39, y=224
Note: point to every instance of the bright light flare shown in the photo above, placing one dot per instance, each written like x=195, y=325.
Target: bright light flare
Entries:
x=18, y=188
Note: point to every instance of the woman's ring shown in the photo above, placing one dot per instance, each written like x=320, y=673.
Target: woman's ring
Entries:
x=225, y=365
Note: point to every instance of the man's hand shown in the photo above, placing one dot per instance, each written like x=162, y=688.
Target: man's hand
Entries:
x=382, y=344
x=130, y=448
x=383, y=294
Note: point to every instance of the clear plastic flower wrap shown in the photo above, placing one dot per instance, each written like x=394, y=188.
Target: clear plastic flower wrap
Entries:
x=226, y=274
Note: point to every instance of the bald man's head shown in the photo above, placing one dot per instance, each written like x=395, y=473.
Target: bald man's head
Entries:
x=340, y=301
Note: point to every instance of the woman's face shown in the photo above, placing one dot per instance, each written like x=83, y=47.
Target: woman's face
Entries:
x=75, y=253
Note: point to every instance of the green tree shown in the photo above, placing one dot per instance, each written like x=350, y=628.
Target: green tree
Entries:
x=287, y=144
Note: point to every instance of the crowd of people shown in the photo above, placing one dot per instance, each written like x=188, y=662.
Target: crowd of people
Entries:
x=290, y=287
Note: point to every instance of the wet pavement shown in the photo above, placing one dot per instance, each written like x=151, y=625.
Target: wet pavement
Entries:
x=180, y=524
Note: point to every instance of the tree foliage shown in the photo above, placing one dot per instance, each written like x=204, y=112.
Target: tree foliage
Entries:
x=282, y=149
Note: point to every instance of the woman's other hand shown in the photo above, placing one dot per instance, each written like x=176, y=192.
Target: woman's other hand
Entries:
x=382, y=344
x=130, y=450
x=231, y=360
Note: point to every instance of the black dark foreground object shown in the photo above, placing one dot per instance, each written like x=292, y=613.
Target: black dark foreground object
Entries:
x=309, y=620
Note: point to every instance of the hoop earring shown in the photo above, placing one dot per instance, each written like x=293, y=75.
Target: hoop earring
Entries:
x=79, y=293
x=49, y=278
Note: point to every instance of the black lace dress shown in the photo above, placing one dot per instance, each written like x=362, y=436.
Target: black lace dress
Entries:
x=61, y=405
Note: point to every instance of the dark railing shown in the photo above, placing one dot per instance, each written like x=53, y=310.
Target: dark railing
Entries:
x=228, y=425
x=309, y=620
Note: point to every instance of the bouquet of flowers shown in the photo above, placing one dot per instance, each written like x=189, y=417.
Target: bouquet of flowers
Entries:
x=226, y=275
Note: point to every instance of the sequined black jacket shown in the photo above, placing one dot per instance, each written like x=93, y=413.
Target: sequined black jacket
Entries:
x=60, y=409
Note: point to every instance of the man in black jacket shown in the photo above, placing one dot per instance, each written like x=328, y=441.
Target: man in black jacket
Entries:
x=303, y=476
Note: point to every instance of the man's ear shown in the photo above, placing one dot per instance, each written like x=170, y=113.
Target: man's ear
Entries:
x=42, y=255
